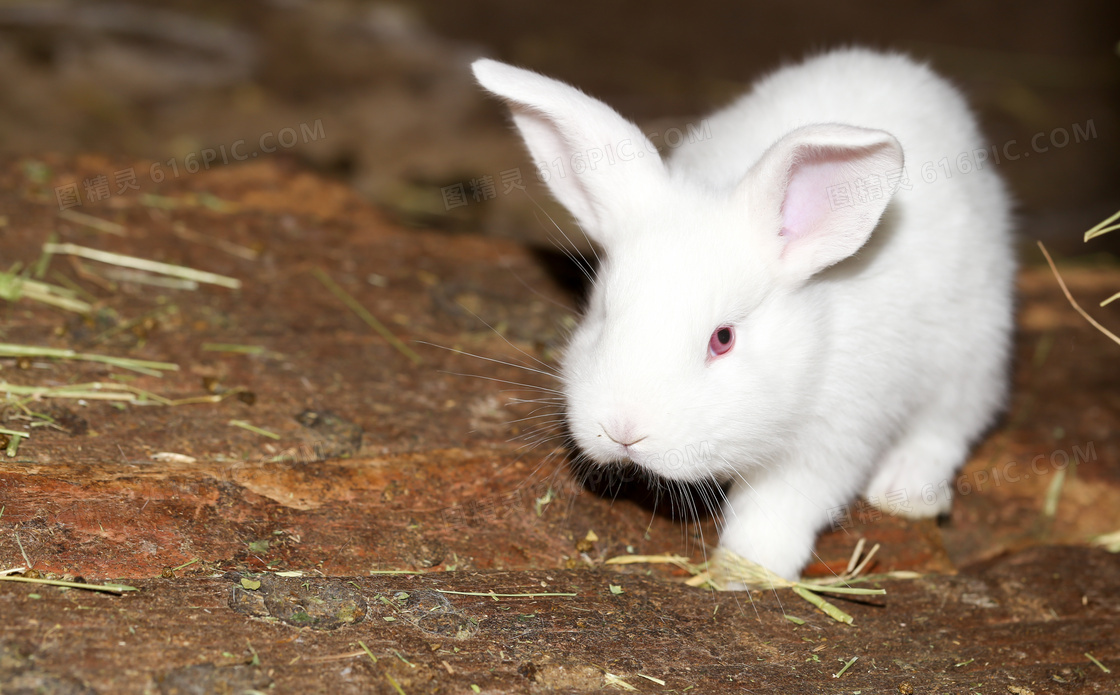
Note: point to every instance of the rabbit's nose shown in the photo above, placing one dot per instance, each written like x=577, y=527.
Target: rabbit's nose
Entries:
x=624, y=434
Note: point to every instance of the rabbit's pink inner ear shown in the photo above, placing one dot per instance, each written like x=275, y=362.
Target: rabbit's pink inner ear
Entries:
x=805, y=206
x=822, y=221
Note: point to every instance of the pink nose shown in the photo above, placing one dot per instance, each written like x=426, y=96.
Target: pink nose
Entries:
x=625, y=434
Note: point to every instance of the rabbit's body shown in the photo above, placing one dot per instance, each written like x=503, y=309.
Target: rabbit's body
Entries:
x=868, y=343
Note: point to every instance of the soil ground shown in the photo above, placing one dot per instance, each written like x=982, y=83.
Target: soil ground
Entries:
x=375, y=463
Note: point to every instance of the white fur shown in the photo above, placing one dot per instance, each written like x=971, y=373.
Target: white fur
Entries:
x=872, y=340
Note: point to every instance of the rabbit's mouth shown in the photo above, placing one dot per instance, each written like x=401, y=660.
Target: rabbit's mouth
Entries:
x=627, y=443
x=684, y=463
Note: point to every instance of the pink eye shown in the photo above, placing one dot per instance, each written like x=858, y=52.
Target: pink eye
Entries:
x=723, y=338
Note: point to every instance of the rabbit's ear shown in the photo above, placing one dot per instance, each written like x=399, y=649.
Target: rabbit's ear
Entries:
x=828, y=185
x=596, y=163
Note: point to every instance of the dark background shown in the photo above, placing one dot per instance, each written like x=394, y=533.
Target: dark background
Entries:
x=401, y=118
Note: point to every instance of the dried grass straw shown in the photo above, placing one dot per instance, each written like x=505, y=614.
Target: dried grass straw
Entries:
x=135, y=263
x=727, y=569
x=1072, y=301
x=147, y=367
x=1110, y=225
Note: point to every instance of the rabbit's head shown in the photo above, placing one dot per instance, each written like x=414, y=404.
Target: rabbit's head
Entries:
x=699, y=348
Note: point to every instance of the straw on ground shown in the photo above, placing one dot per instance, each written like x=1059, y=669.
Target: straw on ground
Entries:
x=94, y=223
x=253, y=428
x=495, y=596
x=143, y=264
x=371, y=320
x=14, y=287
x=148, y=367
x=1109, y=225
x=107, y=588
x=726, y=569
x=105, y=391
x=1072, y=301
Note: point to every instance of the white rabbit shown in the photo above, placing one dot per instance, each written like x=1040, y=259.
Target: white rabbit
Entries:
x=762, y=315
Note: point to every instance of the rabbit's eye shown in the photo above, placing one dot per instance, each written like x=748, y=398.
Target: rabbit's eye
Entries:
x=723, y=338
